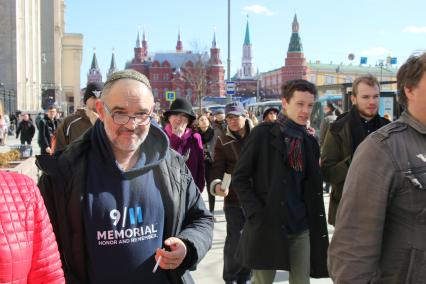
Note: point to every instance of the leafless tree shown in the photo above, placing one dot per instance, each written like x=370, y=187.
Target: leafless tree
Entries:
x=195, y=74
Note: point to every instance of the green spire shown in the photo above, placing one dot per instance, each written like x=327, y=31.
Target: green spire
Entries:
x=247, y=37
x=94, y=61
x=295, y=41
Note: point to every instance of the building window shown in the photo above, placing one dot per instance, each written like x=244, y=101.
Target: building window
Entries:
x=348, y=79
x=312, y=78
x=165, y=77
x=155, y=93
x=329, y=79
x=177, y=92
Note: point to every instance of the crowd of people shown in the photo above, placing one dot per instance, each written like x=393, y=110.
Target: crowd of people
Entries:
x=122, y=188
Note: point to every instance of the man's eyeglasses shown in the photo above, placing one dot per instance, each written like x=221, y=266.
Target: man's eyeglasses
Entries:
x=121, y=119
x=232, y=117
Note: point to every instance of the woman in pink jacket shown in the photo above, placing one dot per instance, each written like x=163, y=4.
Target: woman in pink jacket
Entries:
x=28, y=250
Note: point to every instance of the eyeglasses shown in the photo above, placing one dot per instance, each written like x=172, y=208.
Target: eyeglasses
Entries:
x=232, y=118
x=121, y=119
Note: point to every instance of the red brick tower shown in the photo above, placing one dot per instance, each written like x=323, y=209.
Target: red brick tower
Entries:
x=144, y=46
x=139, y=61
x=215, y=72
x=295, y=64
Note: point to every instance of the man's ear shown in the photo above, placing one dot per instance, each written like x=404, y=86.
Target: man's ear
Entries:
x=353, y=99
x=408, y=93
x=284, y=103
x=100, y=109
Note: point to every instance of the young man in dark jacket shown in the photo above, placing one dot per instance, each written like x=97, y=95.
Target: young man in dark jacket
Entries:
x=278, y=183
x=121, y=200
x=346, y=133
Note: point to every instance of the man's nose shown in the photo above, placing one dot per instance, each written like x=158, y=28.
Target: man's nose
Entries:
x=132, y=123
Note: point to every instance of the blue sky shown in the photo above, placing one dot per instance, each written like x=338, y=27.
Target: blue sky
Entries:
x=329, y=29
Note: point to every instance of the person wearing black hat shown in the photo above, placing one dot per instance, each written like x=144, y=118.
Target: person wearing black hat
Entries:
x=184, y=140
x=76, y=124
x=270, y=114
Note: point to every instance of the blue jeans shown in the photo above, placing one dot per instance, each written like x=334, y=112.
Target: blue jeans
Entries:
x=232, y=270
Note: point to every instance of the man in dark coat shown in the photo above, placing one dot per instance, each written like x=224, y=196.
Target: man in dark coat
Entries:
x=279, y=185
x=27, y=129
x=346, y=133
x=46, y=130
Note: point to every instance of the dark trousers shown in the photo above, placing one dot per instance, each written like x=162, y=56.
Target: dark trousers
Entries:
x=232, y=270
x=212, y=199
x=23, y=140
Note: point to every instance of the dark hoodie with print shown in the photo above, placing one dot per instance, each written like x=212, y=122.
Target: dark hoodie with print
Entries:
x=124, y=213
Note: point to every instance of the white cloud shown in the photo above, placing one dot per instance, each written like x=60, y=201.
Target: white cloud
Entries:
x=257, y=9
x=376, y=51
x=415, y=30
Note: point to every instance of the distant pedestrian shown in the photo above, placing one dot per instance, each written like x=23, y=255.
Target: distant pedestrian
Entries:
x=270, y=114
x=46, y=127
x=330, y=116
x=219, y=121
x=2, y=128
x=208, y=138
x=380, y=226
x=6, y=127
x=26, y=129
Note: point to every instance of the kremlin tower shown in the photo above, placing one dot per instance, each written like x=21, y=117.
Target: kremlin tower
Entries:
x=295, y=64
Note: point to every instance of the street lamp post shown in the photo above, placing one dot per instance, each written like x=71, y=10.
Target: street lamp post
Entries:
x=381, y=70
x=229, y=97
x=257, y=89
x=229, y=42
